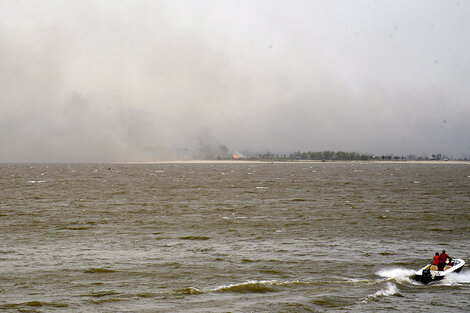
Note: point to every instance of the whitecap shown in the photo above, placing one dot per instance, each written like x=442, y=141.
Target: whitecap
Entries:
x=398, y=274
x=187, y=291
x=389, y=290
x=462, y=277
x=395, y=272
x=456, y=278
x=255, y=286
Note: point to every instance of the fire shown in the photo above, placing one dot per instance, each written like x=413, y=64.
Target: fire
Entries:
x=234, y=156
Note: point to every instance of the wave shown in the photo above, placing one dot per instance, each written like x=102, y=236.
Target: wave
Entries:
x=100, y=301
x=461, y=277
x=35, y=303
x=194, y=238
x=389, y=290
x=252, y=286
x=101, y=294
x=255, y=286
x=99, y=270
x=400, y=275
x=147, y=294
x=456, y=279
x=75, y=228
x=187, y=291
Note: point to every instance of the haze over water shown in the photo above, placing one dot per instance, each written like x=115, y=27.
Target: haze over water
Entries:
x=140, y=80
x=277, y=237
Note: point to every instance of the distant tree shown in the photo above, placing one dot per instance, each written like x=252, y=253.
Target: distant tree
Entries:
x=341, y=155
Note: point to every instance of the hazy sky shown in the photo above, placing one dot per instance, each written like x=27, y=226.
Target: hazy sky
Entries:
x=156, y=80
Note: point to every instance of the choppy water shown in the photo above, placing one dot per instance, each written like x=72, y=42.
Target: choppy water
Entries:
x=303, y=237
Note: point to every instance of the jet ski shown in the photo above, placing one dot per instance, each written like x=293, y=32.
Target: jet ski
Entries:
x=430, y=272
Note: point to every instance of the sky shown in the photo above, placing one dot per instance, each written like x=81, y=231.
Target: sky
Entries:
x=98, y=81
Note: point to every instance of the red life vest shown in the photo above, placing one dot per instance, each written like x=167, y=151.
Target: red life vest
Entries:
x=443, y=257
x=435, y=260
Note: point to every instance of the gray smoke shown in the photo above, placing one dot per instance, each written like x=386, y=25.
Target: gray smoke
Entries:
x=159, y=80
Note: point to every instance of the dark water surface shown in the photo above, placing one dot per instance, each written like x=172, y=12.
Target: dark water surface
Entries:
x=252, y=237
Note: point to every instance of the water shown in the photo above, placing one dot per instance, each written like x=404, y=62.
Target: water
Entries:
x=250, y=237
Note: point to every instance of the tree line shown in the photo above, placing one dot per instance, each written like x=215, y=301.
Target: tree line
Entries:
x=311, y=155
x=340, y=156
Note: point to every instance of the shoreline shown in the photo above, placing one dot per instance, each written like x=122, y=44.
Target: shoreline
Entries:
x=439, y=162
x=248, y=161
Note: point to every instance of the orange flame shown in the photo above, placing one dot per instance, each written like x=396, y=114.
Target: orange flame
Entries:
x=235, y=156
